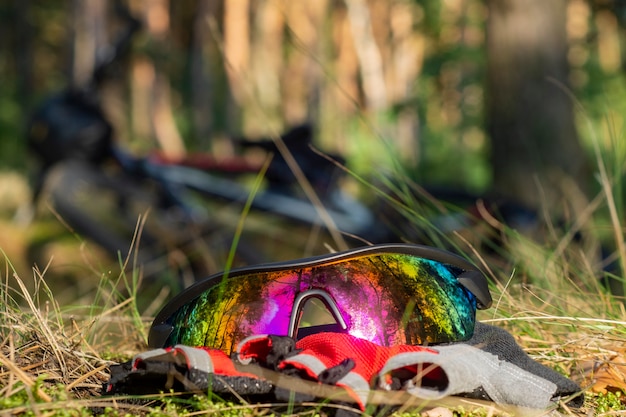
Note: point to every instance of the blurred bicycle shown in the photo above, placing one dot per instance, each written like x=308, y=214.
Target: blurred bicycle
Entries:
x=179, y=217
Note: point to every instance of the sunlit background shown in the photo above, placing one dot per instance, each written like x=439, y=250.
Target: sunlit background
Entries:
x=390, y=84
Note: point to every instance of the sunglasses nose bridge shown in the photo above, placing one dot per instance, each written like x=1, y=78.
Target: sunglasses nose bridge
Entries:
x=299, y=303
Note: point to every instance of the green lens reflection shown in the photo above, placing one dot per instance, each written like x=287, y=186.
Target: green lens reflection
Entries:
x=388, y=299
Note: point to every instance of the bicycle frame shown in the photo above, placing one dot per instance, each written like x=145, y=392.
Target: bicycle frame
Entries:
x=170, y=186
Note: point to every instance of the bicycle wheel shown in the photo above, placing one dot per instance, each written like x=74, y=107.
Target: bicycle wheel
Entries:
x=126, y=217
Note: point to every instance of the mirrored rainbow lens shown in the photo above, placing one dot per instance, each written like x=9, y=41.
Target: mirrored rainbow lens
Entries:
x=388, y=299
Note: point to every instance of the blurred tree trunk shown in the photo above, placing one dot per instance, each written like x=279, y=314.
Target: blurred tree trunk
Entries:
x=89, y=37
x=368, y=54
x=267, y=60
x=302, y=76
x=152, y=92
x=21, y=45
x=536, y=156
x=203, y=54
x=236, y=47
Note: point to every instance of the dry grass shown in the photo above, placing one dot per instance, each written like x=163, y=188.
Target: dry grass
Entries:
x=54, y=360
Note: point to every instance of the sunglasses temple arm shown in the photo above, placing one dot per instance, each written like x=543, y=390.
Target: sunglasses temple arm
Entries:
x=158, y=335
x=476, y=282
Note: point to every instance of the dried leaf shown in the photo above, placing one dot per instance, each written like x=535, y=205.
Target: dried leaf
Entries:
x=606, y=374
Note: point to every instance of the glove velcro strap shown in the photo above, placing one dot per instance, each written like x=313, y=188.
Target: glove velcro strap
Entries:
x=137, y=359
x=199, y=362
x=253, y=348
x=462, y=369
x=414, y=371
x=266, y=350
x=183, y=368
x=356, y=385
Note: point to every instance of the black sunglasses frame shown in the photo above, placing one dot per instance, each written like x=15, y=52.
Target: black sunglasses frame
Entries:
x=471, y=278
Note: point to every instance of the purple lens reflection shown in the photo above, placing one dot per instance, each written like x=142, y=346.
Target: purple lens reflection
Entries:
x=388, y=299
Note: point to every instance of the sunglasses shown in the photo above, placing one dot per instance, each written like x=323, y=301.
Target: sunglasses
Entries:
x=389, y=294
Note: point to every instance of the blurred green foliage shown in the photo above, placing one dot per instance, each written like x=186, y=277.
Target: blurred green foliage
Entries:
x=451, y=144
